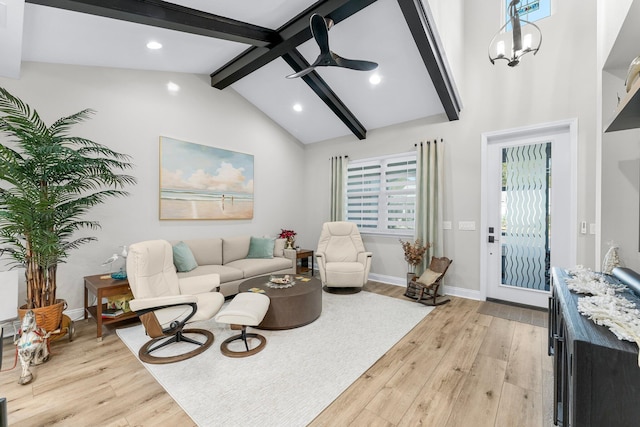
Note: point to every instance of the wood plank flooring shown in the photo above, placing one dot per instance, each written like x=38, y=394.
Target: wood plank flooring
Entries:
x=457, y=367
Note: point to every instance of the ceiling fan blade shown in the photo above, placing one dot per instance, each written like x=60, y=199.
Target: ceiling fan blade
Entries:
x=301, y=73
x=320, y=32
x=354, y=64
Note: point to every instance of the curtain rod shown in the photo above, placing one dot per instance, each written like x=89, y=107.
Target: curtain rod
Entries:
x=435, y=141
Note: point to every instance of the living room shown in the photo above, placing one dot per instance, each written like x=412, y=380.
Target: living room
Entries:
x=564, y=80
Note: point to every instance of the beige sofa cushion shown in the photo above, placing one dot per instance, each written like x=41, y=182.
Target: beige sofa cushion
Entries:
x=259, y=266
x=227, y=274
x=278, y=248
x=235, y=248
x=206, y=251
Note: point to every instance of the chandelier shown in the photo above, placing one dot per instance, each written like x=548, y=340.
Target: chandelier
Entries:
x=514, y=42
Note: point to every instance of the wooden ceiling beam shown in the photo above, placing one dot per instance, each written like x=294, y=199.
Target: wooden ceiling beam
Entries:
x=171, y=16
x=292, y=34
x=328, y=96
x=425, y=39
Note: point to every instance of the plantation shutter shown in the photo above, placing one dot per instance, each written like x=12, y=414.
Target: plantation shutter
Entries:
x=400, y=202
x=363, y=194
x=381, y=194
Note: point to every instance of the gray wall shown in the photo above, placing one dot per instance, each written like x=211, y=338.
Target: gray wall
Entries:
x=133, y=110
x=556, y=84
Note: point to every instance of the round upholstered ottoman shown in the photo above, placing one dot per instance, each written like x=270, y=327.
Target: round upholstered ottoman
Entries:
x=245, y=309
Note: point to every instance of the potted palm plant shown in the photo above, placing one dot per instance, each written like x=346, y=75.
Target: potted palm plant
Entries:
x=48, y=182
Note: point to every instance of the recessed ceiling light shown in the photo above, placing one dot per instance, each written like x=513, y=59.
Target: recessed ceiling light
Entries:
x=375, y=79
x=172, y=87
x=153, y=45
x=297, y=107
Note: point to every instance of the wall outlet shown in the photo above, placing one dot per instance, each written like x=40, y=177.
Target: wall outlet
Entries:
x=446, y=225
x=466, y=225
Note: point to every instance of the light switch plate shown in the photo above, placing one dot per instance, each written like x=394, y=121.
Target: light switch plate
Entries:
x=466, y=225
x=592, y=229
x=446, y=225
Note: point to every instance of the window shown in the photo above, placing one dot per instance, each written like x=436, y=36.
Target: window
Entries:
x=381, y=194
x=530, y=10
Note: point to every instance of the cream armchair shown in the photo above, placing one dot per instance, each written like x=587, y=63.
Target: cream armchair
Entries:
x=342, y=259
x=166, y=304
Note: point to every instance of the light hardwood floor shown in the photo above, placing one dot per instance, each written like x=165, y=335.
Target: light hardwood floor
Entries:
x=456, y=368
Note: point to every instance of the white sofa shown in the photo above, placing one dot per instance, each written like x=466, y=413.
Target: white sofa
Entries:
x=227, y=256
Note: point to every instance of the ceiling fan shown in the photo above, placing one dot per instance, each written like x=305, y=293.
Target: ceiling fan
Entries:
x=320, y=30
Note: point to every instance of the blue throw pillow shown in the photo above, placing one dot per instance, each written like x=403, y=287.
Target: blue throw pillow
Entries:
x=261, y=247
x=183, y=258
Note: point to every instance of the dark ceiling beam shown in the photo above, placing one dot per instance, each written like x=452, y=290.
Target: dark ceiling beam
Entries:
x=322, y=89
x=292, y=34
x=425, y=39
x=170, y=16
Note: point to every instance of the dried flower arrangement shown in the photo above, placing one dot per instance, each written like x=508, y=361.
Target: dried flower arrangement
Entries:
x=414, y=252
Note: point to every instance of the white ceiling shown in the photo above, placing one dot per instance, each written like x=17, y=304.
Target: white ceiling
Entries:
x=377, y=33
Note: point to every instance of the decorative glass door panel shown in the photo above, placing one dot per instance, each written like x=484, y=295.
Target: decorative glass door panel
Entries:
x=525, y=216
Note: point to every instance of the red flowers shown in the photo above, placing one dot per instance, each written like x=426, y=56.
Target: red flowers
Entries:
x=287, y=234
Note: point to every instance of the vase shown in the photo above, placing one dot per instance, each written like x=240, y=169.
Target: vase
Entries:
x=411, y=287
x=290, y=243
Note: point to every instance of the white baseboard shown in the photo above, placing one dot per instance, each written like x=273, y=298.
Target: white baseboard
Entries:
x=75, y=314
x=391, y=280
x=462, y=293
x=448, y=290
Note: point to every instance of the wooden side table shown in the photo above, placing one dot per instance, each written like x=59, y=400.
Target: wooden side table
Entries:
x=303, y=255
x=103, y=288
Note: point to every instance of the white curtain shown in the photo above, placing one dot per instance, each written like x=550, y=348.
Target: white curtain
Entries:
x=429, y=190
x=338, y=197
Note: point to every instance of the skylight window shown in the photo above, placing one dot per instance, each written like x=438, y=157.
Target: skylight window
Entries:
x=529, y=10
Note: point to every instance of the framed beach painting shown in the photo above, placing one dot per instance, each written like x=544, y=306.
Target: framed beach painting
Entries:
x=203, y=182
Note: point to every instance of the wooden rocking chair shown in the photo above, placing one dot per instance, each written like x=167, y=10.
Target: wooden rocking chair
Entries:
x=428, y=294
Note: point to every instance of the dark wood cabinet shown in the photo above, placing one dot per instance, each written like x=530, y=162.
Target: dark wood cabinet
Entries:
x=596, y=376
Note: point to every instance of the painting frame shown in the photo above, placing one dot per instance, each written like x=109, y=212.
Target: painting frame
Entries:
x=202, y=182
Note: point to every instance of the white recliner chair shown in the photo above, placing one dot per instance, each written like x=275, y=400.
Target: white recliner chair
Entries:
x=342, y=259
x=165, y=303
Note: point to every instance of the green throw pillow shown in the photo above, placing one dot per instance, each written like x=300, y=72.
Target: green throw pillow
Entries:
x=183, y=258
x=261, y=247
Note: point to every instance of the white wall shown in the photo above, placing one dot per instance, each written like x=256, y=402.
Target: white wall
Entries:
x=292, y=181
x=448, y=16
x=551, y=86
x=619, y=151
x=133, y=110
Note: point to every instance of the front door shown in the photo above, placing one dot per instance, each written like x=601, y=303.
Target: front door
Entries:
x=526, y=213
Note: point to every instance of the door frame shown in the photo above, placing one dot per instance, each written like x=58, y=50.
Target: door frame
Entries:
x=570, y=127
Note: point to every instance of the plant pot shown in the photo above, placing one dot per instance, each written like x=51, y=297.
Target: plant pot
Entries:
x=48, y=318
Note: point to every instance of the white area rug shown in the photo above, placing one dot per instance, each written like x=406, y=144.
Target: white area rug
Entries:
x=300, y=371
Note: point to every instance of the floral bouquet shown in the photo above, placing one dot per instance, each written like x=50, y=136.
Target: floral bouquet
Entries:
x=414, y=252
x=287, y=234
x=290, y=235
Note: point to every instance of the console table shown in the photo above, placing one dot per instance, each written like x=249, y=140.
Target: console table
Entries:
x=596, y=376
x=102, y=288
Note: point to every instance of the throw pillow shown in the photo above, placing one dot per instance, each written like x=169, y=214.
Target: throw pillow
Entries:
x=428, y=277
x=261, y=247
x=183, y=258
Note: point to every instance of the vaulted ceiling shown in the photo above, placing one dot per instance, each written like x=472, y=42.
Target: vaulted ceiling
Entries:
x=250, y=46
